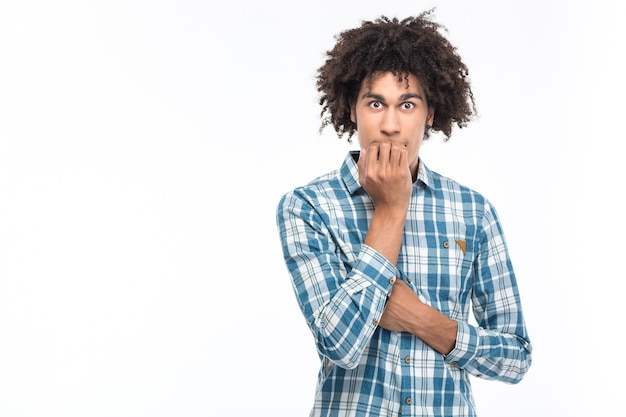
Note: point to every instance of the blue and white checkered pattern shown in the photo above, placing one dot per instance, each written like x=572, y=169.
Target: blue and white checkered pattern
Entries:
x=455, y=258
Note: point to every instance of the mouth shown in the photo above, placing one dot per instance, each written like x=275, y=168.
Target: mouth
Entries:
x=393, y=142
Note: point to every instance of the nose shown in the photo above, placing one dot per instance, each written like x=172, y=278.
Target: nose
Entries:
x=390, y=123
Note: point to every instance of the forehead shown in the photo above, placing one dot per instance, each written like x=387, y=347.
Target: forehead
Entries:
x=388, y=80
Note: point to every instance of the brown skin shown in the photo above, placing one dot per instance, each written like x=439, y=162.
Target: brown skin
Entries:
x=391, y=115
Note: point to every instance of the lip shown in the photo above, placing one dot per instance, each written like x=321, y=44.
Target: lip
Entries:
x=393, y=142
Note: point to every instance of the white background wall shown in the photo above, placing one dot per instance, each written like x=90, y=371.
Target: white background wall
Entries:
x=144, y=146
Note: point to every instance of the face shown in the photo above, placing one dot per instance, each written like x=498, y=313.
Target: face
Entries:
x=388, y=110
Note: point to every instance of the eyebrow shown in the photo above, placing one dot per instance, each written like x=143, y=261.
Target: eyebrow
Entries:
x=403, y=97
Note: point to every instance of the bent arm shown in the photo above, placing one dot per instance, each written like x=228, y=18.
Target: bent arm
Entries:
x=342, y=300
x=499, y=348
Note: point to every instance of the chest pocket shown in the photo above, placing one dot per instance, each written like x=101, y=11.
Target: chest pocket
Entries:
x=441, y=268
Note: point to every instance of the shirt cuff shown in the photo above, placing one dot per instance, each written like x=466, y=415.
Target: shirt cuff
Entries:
x=375, y=268
x=466, y=345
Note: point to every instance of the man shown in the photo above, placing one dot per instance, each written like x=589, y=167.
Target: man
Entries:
x=387, y=258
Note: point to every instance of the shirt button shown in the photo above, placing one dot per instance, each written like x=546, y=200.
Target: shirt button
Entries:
x=392, y=280
x=446, y=244
x=454, y=363
x=409, y=401
x=407, y=359
x=409, y=280
x=375, y=322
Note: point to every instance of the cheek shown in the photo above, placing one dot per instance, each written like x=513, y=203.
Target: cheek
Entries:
x=414, y=149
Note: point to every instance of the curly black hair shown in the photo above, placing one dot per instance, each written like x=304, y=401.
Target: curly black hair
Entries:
x=414, y=45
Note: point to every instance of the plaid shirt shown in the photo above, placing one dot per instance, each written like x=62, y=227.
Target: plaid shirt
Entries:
x=453, y=255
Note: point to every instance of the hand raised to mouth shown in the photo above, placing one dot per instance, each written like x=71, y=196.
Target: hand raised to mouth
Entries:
x=385, y=174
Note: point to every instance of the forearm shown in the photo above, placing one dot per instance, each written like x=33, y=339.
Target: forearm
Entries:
x=433, y=327
x=405, y=312
x=385, y=232
x=384, y=173
x=491, y=354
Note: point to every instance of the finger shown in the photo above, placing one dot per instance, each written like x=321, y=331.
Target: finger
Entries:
x=373, y=154
x=400, y=283
x=395, y=158
x=404, y=158
x=384, y=153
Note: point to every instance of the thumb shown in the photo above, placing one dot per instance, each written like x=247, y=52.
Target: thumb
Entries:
x=361, y=161
x=361, y=166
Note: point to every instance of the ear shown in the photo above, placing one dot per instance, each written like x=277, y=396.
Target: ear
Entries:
x=431, y=117
x=352, y=113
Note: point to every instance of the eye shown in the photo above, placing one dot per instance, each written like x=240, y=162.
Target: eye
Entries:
x=408, y=105
x=376, y=104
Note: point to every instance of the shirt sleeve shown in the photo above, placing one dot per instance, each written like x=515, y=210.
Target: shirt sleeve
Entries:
x=499, y=348
x=341, y=303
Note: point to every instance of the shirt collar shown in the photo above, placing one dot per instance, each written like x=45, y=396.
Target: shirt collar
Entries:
x=350, y=173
